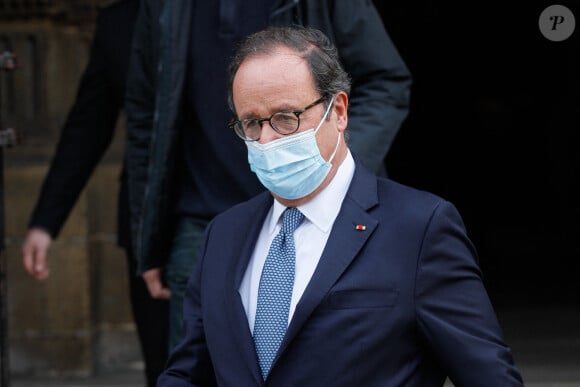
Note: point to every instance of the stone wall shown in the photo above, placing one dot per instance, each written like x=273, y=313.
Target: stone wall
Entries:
x=77, y=322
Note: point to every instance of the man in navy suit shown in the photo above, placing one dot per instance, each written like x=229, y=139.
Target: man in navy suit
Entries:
x=385, y=289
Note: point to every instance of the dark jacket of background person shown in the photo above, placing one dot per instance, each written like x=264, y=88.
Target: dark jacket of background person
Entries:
x=379, y=102
x=85, y=136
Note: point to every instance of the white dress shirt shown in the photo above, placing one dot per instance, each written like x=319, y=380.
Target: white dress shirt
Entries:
x=310, y=239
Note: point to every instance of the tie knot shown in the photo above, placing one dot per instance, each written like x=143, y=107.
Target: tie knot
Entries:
x=291, y=219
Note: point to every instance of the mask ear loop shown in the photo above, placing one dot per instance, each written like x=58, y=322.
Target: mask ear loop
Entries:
x=335, y=148
x=325, y=115
x=320, y=124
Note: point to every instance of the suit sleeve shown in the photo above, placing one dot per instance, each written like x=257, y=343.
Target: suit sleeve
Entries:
x=190, y=364
x=140, y=111
x=84, y=139
x=381, y=82
x=454, y=313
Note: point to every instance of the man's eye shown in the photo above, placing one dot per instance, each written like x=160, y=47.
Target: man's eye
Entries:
x=249, y=124
x=285, y=117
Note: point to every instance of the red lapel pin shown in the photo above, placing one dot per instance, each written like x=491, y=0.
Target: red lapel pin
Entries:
x=360, y=227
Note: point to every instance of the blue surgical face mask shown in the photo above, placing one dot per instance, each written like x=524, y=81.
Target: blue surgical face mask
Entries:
x=291, y=167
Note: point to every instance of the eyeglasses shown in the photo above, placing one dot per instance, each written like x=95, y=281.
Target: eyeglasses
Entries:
x=284, y=122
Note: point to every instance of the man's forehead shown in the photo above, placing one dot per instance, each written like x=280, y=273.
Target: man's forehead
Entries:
x=279, y=63
x=281, y=53
x=279, y=79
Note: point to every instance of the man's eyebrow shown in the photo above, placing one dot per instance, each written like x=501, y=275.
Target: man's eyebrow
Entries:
x=248, y=116
x=284, y=107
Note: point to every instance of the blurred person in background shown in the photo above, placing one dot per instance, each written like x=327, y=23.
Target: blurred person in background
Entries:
x=85, y=136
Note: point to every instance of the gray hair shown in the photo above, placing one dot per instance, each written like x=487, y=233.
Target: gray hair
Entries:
x=312, y=45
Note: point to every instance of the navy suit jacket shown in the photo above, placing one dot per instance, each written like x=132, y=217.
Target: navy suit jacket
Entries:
x=400, y=303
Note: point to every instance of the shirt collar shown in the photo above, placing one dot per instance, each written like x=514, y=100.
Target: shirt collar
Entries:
x=323, y=209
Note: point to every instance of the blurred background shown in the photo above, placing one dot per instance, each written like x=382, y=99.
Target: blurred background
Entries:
x=493, y=127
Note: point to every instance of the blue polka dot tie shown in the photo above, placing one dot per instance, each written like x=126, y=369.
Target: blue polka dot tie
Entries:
x=275, y=291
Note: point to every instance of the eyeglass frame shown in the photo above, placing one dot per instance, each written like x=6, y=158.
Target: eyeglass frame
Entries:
x=260, y=121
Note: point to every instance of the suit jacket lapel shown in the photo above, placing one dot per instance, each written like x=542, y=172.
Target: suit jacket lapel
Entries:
x=235, y=310
x=344, y=243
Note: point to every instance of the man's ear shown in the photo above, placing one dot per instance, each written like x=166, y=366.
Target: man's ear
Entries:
x=341, y=110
